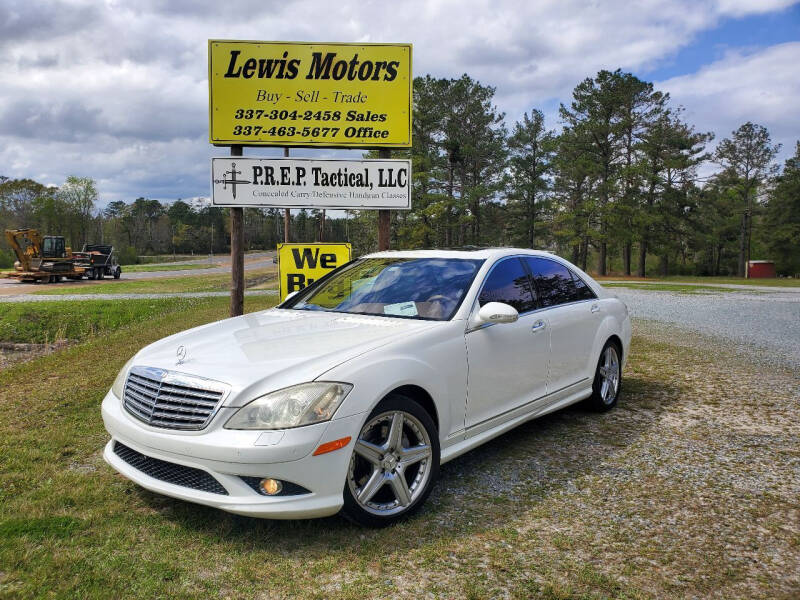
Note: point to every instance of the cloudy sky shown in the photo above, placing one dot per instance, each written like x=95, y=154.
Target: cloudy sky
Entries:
x=118, y=90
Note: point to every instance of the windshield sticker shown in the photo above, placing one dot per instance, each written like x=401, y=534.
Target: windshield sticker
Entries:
x=401, y=309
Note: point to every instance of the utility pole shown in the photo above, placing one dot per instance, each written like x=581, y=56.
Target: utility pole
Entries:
x=384, y=221
x=237, y=253
x=287, y=215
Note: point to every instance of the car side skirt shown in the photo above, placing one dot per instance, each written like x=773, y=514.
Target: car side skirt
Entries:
x=483, y=432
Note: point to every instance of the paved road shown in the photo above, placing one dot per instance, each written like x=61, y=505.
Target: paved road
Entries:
x=215, y=259
x=259, y=260
x=763, y=322
x=72, y=297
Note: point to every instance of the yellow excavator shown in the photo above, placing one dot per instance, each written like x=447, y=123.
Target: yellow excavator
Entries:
x=41, y=258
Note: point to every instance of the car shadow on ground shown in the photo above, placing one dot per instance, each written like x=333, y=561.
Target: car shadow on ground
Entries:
x=479, y=491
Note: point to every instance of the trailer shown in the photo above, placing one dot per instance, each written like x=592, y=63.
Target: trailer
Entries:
x=40, y=258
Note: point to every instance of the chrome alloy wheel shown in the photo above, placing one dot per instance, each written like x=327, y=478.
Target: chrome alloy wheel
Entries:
x=391, y=463
x=609, y=375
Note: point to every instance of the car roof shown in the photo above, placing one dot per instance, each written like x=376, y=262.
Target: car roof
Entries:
x=468, y=252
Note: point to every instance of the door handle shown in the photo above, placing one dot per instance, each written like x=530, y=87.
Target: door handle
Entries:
x=538, y=326
x=595, y=308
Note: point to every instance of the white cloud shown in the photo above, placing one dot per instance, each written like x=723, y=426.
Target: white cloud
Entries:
x=762, y=87
x=740, y=8
x=118, y=91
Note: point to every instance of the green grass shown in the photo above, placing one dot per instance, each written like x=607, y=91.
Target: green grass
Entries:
x=168, y=258
x=216, y=282
x=669, y=287
x=40, y=529
x=776, y=282
x=640, y=502
x=42, y=322
x=152, y=268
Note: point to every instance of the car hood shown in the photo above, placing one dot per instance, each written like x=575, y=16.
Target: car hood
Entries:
x=269, y=350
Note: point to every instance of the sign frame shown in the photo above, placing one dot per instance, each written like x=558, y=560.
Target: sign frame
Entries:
x=346, y=245
x=314, y=141
x=319, y=204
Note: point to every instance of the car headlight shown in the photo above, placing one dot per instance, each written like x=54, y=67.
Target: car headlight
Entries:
x=119, y=383
x=294, y=406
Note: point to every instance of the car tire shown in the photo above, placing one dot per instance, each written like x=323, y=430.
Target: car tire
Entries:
x=117, y=273
x=607, y=383
x=391, y=472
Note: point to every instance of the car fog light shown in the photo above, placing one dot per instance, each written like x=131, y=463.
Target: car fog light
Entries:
x=271, y=486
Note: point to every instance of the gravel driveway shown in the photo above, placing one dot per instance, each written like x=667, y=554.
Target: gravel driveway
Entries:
x=763, y=323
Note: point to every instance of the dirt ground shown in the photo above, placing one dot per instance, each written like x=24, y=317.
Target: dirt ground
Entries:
x=11, y=353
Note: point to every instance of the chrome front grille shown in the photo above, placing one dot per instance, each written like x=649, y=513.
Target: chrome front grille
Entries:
x=171, y=400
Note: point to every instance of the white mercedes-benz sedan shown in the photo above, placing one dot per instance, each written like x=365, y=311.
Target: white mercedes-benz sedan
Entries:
x=350, y=394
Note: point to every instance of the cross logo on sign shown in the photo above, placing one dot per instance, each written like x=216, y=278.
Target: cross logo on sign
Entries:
x=232, y=181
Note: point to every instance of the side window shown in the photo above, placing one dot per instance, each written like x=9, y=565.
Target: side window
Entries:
x=554, y=281
x=583, y=290
x=508, y=282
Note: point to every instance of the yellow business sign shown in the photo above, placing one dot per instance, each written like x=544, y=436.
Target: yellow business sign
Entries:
x=305, y=94
x=300, y=265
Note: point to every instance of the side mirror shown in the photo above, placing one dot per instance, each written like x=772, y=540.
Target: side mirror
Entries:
x=497, y=312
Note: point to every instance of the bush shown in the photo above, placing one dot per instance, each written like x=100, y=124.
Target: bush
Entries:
x=7, y=259
x=128, y=256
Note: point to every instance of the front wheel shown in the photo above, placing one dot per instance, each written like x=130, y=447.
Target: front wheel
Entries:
x=117, y=273
x=607, y=379
x=394, y=465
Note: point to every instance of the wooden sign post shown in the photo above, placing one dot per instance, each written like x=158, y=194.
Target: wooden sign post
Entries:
x=237, y=253
x=384, y=218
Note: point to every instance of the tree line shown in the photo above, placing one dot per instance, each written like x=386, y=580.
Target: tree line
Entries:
x=625, y=185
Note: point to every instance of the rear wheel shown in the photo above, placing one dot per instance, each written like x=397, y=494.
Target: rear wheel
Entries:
x=608, y=378
x=394, y=465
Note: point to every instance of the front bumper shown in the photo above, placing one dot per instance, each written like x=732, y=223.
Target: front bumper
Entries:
x=227, y=454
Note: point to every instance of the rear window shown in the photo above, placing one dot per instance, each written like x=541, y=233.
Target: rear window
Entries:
x=555, y=283
x=584, y=292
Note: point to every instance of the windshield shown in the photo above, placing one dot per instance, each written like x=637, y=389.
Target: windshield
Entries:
x=418, y=288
